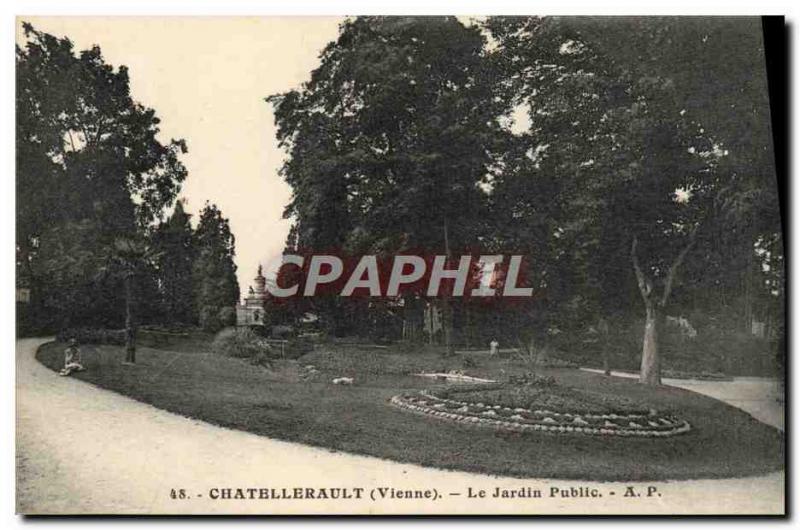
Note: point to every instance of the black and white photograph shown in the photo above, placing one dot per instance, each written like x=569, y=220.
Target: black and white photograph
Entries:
x=400, y=265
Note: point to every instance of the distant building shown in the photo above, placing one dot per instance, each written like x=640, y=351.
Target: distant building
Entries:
x=251, y=311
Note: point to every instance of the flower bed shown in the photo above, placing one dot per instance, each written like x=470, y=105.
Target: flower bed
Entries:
x=495, y=411
x=454, y=376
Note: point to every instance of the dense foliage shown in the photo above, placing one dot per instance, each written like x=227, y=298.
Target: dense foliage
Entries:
x=94, y=182
x=622, y=172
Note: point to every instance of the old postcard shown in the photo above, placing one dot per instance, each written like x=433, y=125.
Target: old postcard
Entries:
x=380, y=265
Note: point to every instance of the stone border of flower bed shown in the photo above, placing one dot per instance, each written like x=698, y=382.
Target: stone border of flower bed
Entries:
x=649, y=425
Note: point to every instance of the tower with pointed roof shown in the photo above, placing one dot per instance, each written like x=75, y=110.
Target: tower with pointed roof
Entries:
x=251, y=311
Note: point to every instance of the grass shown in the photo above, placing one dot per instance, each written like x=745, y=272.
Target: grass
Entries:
x=282, y=404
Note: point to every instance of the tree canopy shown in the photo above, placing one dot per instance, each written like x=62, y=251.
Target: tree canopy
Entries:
x=93, y=171
x=615, y=168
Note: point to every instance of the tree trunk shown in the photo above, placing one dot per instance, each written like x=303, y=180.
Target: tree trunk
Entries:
x=130, y=331
x=602, y=327
x=650, y=373
x=412, y=319
x=447, y=326
x=747, y=291
x=470, y=334
x=447, y=315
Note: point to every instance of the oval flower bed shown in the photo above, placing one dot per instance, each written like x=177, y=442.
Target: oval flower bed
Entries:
x=542, y=407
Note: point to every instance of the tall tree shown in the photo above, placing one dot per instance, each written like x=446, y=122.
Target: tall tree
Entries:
x=174, y=241
x=87, y=154
x=637, y=178
x=68, y=290
x=129, y=258
x=390, y=138
x=716, y=65
x=214, y=271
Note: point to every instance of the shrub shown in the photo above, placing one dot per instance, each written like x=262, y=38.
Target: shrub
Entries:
x=260, y=330
x=209, y=318
x=536, y=357
x=555, y=362
x=717, y=348
x=469, y=362
x=93, y=335
x=531, y=379
x=262, y=358
x=282, y=332
x=532, y=353
x=298, y=347
x=227, y=316
x=242, y=343
x=546, y=395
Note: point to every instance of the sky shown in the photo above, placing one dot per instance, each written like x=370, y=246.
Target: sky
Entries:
x=207, y=79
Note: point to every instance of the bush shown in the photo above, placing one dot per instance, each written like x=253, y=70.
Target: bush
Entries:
x=282, y=332
x=93, y=336
x=546, y=394
x=470, y=362
x=227, y=316
x=544, y=356
x=209, y=318
x=715, y=349
x=260, y=330
x=262, y=358
x=298, y=347
x=531, y=379
x=555, y=362
x=242, y=343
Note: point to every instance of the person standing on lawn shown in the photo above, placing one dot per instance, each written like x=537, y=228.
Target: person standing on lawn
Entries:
x=72, y=358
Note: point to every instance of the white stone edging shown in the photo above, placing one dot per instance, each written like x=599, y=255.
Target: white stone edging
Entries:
x=609, y=429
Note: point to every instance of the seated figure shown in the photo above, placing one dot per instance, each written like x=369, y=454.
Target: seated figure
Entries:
x=72, y=359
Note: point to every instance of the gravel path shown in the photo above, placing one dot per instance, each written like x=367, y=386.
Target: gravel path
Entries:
x=82, y=449
x=758, y=396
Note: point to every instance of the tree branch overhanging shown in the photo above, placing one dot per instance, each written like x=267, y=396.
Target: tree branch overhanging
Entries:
x=673, y=269
x=645, y=286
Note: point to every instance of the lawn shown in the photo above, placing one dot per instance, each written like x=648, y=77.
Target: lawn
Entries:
x=723, y=442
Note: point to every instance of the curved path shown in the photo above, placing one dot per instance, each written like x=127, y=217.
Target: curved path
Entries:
x=758, y=396
x=82, y=449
